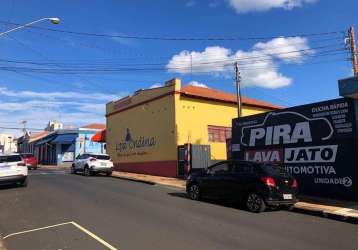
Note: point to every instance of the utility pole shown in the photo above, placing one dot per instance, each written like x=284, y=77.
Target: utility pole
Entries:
x=24, y=124
x=238, y=91
x=353, y=48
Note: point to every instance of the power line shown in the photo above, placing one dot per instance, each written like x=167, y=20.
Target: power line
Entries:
x=243, y=60
x=123, y=69
x=162, y=38
x=38, y=53
x=19, y=128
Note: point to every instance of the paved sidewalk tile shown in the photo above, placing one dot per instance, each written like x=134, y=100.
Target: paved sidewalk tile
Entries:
x=174, y=182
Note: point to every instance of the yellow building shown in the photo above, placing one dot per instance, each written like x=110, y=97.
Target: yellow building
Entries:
x=145, y=129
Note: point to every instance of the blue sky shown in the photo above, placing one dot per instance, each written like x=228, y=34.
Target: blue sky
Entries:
x=279, y=77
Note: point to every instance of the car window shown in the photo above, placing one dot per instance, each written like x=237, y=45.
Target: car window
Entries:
x=100, y=157
x=243, y=168
x=273, y=170
x=10, y=158
x=221, y=168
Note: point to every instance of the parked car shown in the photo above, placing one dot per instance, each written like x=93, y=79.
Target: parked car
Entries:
x=12, y=170
x=91, y=164
x=30, y=160
x=256, y=185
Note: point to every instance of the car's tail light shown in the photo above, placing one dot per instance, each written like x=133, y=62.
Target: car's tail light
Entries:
x=21, y=164
x=269, y=181
x=92, y=159
x=294, y=184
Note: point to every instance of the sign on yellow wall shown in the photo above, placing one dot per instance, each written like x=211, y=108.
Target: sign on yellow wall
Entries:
x=143, y=133
x=133, y=146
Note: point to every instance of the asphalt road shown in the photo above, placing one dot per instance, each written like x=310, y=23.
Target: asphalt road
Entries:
x=130, y=215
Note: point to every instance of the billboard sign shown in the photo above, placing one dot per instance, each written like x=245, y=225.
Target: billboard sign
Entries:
x=316, y=143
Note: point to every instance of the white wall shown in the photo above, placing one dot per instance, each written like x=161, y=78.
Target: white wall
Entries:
x=7, y=143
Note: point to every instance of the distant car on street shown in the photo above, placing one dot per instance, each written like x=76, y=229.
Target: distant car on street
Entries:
x=12, y=170
x=91, y=164
x=257, y=185
x=30, y=160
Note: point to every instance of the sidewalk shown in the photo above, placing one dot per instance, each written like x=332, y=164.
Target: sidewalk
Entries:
x=334, y=209
x=55, y=167
x=150, y=179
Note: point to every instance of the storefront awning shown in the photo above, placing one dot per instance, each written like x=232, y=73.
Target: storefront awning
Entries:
x=65, y=139
x=100, y=136
x=45, y=140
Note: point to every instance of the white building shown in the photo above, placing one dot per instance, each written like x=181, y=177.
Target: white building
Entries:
x=7, y=143
x=53, y=126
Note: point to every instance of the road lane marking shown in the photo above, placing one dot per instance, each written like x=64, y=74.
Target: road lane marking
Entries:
x=37, y=229
x=103, y=242
x=84, y=230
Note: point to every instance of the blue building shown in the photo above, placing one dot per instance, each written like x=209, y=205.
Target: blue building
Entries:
x=64, y=145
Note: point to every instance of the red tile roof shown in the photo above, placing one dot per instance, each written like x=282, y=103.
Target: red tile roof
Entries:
x=217, y=95
x=95, y=126
x=38, y=136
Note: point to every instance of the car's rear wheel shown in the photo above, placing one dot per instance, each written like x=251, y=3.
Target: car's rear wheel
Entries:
x=24, y=183
x=87, y=171
x=73, y=170
x=194, y=192
x=108, y=173
x=255, y=203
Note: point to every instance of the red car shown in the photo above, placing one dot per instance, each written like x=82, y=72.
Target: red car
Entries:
x=30, y=160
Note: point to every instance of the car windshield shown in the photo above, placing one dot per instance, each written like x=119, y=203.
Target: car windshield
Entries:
x=9, y=158
x=274, y=169
x=100, y=157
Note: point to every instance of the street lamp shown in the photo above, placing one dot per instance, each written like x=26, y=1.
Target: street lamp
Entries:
x=54, y=20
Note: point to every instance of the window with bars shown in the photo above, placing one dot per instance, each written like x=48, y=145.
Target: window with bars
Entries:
x=218, y=133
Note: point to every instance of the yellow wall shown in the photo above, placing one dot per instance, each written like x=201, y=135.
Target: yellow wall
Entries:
x=170, y=121
x=153, y=120
x=194, y=115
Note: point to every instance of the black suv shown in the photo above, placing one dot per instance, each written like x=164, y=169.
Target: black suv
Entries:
x=257, y=185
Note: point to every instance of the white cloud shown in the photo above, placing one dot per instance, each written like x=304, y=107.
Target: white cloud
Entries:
x=290, y=49
x=156, y=85
x=261, y=73
x=258, y=65
x=201, y=61
x=242, y=6
x=198, y=84
x=37, y=108
x=57, y=95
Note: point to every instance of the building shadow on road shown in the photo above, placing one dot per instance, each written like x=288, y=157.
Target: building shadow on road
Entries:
x=224, y=203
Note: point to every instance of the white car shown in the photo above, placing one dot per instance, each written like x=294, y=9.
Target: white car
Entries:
x=91, y=164
x=12, y=170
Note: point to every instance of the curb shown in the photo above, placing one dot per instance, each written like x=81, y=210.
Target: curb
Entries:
x=148, y=182
x=135, y=180
x=324, y=214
